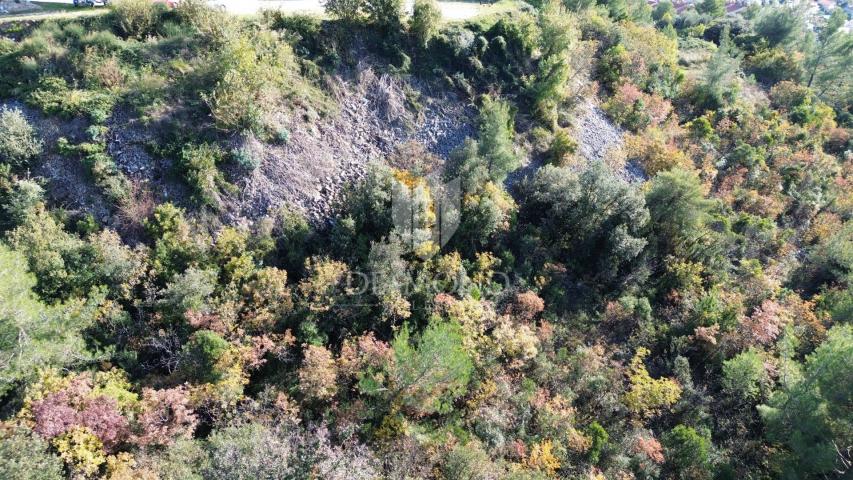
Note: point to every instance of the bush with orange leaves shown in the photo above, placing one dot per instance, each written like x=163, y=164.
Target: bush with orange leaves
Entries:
x=365, y=361
x=764, y=325
x=525, y=306
x=318, y=373
x=656, y=151
x=635, y=110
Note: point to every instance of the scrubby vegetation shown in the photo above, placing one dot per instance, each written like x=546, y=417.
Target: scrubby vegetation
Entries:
x=679, y=310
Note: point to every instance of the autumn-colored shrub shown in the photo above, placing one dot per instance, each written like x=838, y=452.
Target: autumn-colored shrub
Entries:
x=636, y=110
x=655, y=151
x=648, y=396
x=318, y=373
x=166, y=416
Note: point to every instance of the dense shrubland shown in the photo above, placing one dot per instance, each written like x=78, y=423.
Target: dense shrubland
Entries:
x=694, y=325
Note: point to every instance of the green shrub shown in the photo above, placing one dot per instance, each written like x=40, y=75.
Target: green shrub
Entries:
x=25, y=456
x=282, y=135
x=104, y=41
x=612, y=65
x=18, y=141
x=55, y=256
x=253, y=74
x=773, y=66
x=424, y=22
x=190, y=290
x=346, y=10
x=688, y=453
x=198, y=163
x=55, y=97
x=200, y=356
x=215, y=26
x=470, y=462
x=101, y=167
x=246, y=158
x=135, y=18
x=562, y=146
x=23, y=198
x=107, y=176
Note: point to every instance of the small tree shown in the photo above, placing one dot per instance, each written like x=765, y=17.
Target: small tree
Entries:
x=648, y=396
x=719, y=83
x=599, y=438
x=432, y=374
x=18, y=141
x=494, y=157
x=384, y=13
x=744, y=376
x=346, y=10
x=424, y=22
x=558, y=34
x=135, y=18
x=679, y=212
x=317, y=375
x=687, y=453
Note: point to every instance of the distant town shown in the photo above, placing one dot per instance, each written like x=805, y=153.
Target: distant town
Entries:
x=816, y=8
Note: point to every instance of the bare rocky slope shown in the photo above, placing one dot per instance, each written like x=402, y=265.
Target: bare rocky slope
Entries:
x=375, y=113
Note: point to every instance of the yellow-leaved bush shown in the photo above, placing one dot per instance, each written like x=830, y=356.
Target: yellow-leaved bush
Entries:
x=647, y=396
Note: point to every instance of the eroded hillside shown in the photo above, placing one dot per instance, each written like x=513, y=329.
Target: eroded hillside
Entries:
x=558, y=240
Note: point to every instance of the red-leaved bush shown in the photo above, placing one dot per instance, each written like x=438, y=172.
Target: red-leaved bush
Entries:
x=101, y=415
x=525, y=306
x=764, y=325
x=54, y=415
x=61, y=411
x=650, y=447
x=166, y=416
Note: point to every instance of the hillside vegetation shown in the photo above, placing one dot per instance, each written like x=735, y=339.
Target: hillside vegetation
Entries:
x=561, y=240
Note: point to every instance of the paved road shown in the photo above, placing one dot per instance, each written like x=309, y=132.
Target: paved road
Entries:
x=450, y=10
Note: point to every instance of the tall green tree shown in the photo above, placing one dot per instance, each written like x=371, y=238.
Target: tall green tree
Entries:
x=829, y=57
x=34, y=335
x=780, y=25
x=431, y=373
x=713, y=8
x=679, y=212
x=719, y=83
x=558, y=33
x=810, y=414
x=592, y=221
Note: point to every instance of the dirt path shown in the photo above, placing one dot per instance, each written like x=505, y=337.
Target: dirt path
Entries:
x=58, y=13
x=449, y=10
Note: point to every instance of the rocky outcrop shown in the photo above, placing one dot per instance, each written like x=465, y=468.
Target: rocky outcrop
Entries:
x=322, y=155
